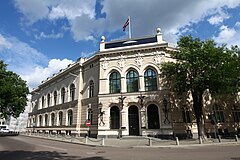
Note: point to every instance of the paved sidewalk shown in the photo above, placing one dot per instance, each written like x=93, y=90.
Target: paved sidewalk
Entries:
x=135, y=141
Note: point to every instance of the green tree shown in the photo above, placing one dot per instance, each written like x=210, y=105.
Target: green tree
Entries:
x=13, y=93
x=199, y=66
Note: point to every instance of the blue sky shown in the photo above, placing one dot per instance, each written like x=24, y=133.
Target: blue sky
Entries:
x=39, y=37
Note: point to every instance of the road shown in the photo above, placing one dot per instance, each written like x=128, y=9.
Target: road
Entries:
x=27, y=148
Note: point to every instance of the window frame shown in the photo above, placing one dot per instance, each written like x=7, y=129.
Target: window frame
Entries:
x=132, y=81
x=150, y=80
x=153, y=116
x=46, y=119
x=55, y=98
x=91, y=89
x=114, y=117
x=218, y=113
x=60, y=118
x=115, y=82
x=70, y=117
x=186, y=115
x=72, y=92
x=236, y=114
x=52, y=119
x=43, y=101
x=48, y=99
x=63, y=92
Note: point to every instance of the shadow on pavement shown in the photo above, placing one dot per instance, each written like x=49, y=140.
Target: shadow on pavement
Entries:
x=42, y=155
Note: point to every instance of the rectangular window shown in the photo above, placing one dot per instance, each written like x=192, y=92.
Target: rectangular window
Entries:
x=186, y=115
x=218, y=113
x=90, y=115
x=236, y=114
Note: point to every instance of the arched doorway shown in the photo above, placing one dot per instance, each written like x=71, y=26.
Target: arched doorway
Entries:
x=133, y=120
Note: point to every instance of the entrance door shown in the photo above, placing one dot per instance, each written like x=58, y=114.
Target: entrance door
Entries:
x=133, y=121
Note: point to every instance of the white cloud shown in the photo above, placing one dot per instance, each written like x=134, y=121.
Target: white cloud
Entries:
x=218, y=18
x=19, y=55
x=52, y=35
x=172, y=16
x=4, y=43
x=228, y=35
x=40, y=73
x=28, y=62
x=32, y=10
x=237, y=24
x=71, y=9
x=214, y=20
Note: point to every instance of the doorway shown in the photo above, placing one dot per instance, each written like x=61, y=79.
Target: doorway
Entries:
x=133, y=120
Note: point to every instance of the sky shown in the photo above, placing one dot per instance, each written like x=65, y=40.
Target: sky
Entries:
x=40, y=37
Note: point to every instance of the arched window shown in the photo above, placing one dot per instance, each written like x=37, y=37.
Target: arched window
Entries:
x=153, y=117
x=60, y=118
x=218, y=113
x=150, y=80
x=40, y=120
x=52, y=119
x=91, y=89
x=63, y=95
x=48, y=100
x=132, y=81
x=114, y=117
x=43, y=101
x=46, y=120
x=55, y=98
x=70, y=117
x=72, y=92
x=114, y=82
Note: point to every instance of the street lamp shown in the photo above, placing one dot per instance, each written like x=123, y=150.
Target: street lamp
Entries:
x=33, y=125
x=121, y=99
x=165, y=110
x=101, y=113
x=141, y=97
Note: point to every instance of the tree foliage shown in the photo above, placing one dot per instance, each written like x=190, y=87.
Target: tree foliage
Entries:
x=200, y=65
x=13, y=93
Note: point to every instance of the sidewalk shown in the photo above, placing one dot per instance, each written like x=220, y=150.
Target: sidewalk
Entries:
x=134, y=141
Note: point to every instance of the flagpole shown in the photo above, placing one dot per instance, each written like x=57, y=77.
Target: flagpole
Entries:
x=129, y=28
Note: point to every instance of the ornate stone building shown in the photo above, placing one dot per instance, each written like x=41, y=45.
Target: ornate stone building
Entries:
x=118, y=90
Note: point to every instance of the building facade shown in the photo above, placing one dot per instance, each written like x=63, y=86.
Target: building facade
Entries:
x=119, y=92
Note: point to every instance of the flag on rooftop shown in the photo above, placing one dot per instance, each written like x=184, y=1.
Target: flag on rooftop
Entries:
x=126, y=24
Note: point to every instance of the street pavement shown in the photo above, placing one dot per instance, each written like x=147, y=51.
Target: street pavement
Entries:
x=29, y=148
x=134, y=141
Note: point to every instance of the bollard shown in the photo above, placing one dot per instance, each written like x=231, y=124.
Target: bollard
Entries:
x=103, y=142
x=86, y=140
x=200, y=140
x=236, y=138
x=150, y=141
x=219, y=139
x=177, y=141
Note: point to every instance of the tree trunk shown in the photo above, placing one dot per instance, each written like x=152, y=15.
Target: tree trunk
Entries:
x=198, y=110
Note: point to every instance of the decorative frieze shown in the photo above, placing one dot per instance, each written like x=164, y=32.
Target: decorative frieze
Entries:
x=121, y=61
x=139, y=59
x=105, y=63
x=159, y=57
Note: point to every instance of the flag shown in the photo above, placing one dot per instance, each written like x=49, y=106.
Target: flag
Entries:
x=126, y=24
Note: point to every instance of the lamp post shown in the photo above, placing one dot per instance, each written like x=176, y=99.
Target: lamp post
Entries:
x=33, y=125
x=101, y=113
x=121, y=99
x=165, y=110
x=141, y=97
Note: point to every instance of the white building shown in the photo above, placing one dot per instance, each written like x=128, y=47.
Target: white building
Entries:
x=119, y=90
